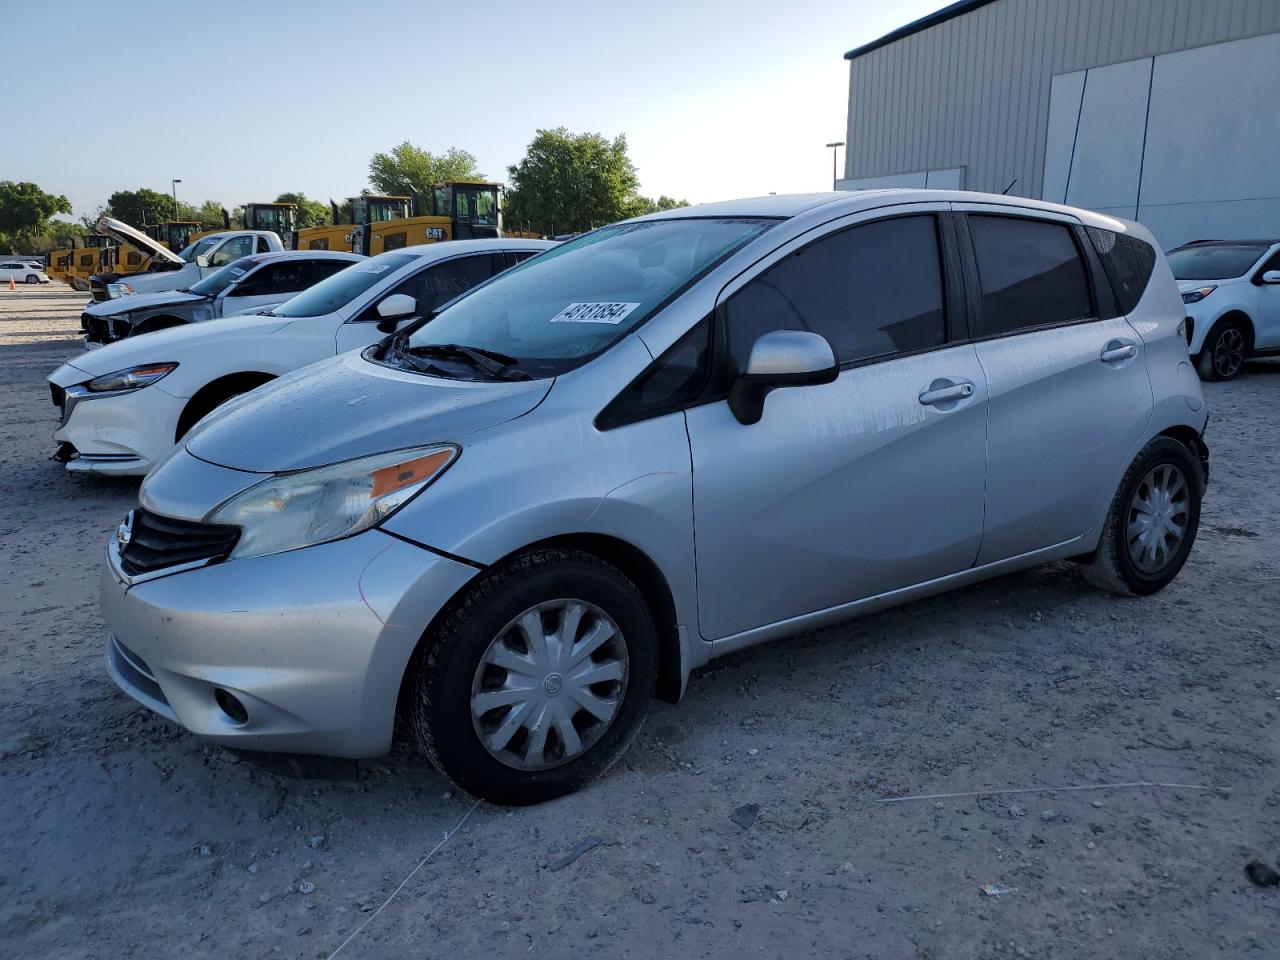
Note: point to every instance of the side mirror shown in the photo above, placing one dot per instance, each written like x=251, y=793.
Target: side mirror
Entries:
x=783, y=358
x=1271, y=276
x=202, y=260
x=394, y=309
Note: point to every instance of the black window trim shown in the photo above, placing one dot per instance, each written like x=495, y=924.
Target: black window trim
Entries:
x=1261, y=266
x=974, y=284
x=956, y=313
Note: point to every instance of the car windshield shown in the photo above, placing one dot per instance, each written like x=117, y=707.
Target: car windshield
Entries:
x=560, y=309
x=193, y=250
x=215, y=283
x=342, y=287
x=1218, y=261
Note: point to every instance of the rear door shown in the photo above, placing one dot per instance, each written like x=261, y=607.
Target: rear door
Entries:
x=857, y=487
x=1069, y=391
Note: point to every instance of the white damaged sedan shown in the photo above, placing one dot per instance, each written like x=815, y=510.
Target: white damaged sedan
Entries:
x=126, y=405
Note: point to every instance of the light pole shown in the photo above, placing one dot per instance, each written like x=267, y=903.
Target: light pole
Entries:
x=175, y=198
x=834, y=147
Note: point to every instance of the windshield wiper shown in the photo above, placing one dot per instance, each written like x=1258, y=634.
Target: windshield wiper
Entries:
x=499, y=364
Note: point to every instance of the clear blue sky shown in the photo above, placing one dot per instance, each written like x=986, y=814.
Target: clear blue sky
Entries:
x=243, y=100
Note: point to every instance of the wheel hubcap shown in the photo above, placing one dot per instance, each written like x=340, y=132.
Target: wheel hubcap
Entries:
x=1158, y=518
x=1228, y=352
x=549, y=685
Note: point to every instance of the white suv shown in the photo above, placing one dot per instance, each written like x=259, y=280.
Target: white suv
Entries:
x=21, y=272
x=1231, y=289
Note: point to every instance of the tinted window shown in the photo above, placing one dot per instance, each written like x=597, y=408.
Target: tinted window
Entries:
x=1128, y=263
x=263, y=246
x=441, y=283
x=872, y=291
x=676, y=378
x=1031, y=273
x=215, y=283
x=276, y=278
x=1214, y=261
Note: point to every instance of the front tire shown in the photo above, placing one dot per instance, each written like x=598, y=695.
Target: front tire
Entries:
x=537, y=679
x=1152, y=522
x=1224, y=350
x=32, y=278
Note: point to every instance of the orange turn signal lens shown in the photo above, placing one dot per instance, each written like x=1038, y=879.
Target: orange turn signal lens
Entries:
x=399, y=475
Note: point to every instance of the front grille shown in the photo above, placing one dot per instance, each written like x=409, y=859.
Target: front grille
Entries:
x=98, y=329
x=98, y=287
x=157, y=542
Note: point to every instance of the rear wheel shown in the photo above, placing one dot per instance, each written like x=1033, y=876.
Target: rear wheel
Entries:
x=1152, y=522
x=537, y=680
x=1222, y=356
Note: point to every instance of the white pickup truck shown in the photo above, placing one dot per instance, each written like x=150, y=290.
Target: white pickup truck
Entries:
x=166, y=270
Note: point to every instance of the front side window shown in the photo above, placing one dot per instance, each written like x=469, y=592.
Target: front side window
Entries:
x=1214, y=261
x=343, y=287
x=873, y=290
x=1031, y=273
x=571, y=303
x=199, y=248
x=276, y=278
x=215, y=283
x=233, y=249
x=439, y=284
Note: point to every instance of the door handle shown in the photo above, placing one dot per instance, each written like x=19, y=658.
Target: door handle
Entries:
x=946, y=393
x=1117, y=352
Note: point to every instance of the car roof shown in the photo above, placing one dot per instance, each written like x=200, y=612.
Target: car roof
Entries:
x=840, y=202
x=272, y=255
x=451, y=248
x=1227, y=243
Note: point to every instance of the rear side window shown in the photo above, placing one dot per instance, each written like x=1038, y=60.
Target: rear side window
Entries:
x=873, y=290
x=1031, y=274
x=1128, y=263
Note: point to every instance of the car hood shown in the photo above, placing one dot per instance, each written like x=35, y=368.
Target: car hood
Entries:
x=349, y=407
x=140, y=301
x=171, y=344
x=123, y=233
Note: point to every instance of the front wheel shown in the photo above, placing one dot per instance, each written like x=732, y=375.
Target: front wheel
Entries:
x=1222, y=356
x=32, y=278
x=538, y=679
x=1152, y=522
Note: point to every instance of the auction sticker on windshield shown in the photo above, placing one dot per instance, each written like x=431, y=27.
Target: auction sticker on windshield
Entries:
x=594, y=313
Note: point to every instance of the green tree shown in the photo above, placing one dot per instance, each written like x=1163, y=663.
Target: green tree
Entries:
x=645, y=205
x=407, y=169
x=209, y=214
x=140, y=207
x=569, y=182
x=311, y=213
x=25, y=209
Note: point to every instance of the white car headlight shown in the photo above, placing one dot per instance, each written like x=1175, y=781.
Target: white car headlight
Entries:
x=133, y=378
x=1198, y=294
x=291, y=510
x=115, y=290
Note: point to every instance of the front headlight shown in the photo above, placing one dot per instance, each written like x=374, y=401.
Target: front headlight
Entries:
x=1195, y=296
x=134, y=378
x=291, y=510
x=115, y=290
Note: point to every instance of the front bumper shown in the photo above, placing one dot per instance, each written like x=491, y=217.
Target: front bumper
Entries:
x=120, y=433
x=312, y=643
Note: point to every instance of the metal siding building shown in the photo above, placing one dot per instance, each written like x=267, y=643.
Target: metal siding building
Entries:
x=1158, y=110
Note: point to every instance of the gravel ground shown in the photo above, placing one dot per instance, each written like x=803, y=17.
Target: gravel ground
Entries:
x=123, y=835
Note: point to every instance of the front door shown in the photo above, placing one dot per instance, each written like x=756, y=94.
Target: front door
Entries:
x=1266, y=322
x=1070, y=394
x=852, y=488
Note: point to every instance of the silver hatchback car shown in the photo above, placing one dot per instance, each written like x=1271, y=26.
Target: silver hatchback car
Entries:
x=513, y=524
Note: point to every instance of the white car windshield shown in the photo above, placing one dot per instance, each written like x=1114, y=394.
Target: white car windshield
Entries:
x=571, y=303
x=342, y=287
x=1217, y=261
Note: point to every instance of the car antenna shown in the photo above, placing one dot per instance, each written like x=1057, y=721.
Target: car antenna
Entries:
x=1009, y=187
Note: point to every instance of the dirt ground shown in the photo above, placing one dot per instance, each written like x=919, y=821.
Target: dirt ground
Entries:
x=122, y=835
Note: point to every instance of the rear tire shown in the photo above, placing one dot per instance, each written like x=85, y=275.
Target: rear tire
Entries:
x=1152, y=523
x=1224, y=350
x=541, y=726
